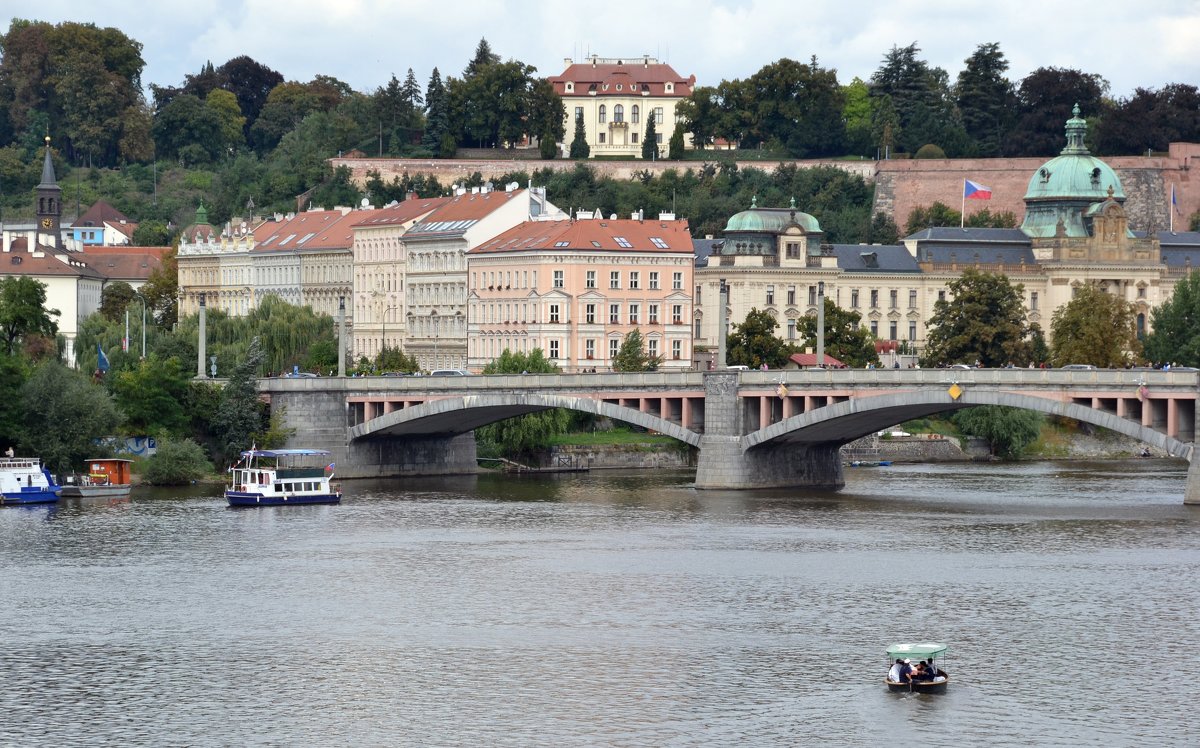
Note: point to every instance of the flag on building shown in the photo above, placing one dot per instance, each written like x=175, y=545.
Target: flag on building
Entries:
x=101, y=360
x=1174, y=200
x=976, y=191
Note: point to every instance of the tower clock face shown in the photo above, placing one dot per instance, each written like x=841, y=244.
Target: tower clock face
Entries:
x=46, y=223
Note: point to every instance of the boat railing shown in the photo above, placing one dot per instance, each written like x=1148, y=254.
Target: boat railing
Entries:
x=308, y=472
x=9, y=463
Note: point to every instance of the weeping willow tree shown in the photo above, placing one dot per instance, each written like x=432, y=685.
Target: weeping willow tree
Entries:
x=289, y=336
x=521, y=436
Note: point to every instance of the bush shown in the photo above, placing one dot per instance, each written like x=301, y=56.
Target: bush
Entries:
x=177, y=463
x=930, y=150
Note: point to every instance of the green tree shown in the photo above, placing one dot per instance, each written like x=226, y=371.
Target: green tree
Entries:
x=986, y=99
x=152, y=395
x=1045, y=99
x=65, y=413
x=921, y=100
x=528, y=433
x=632, y=356
x=437, y=115
x=240, y=416
x=1007, y=430
x=14, y=370
x=161, y=290
x=845, y=337
x=676, y=148
x=1095, y=327
x=579, y=145
x=1176, y=325
x=23, y=311
x=153, y=233
x=754, y=343
x=394, y=359
x=857, y=114
x=115, y=299
x=177, y=462
x=188, y=130
x=982, y=319
x=650, y=142
x=232, y=124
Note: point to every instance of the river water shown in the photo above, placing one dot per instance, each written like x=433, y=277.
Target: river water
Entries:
x=611, y=609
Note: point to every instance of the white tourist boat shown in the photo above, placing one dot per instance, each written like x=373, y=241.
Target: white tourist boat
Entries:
x=279, y=477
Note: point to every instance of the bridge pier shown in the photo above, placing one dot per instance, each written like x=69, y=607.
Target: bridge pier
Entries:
x=724, y=464
x=1191, y=489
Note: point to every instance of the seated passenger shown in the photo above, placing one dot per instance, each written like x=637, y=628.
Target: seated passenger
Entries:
x=906, y=672
x=894, y=674
x=924, y=672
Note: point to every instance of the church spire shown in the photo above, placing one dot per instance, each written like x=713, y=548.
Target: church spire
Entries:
x=49, y=179
x=1076, y=129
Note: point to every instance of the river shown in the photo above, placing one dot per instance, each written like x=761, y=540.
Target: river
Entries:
x=611, y=609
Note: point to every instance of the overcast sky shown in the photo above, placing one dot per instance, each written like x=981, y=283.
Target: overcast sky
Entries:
x=1130, y=43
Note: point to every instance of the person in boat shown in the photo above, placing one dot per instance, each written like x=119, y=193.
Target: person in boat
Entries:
x=923, y=672
x=894, y=673
x=906, y=672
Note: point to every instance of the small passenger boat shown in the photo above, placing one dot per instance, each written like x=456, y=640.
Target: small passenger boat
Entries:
x=279, y=477
x=24, y=480
x=915, y=652
x=106, y=478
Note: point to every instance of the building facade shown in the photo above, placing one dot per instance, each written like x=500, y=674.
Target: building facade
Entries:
x=614, y=97
x=576, y=288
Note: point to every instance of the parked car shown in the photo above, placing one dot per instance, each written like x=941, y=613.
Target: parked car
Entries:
x=1079, y=367
x=960, y=366
x=449, y=373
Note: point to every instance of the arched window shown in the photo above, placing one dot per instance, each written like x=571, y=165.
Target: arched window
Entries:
x=618, y=113
x=635, y=115
x=603, y=114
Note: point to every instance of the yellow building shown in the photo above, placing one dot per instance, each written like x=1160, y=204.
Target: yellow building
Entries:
x=615, y=97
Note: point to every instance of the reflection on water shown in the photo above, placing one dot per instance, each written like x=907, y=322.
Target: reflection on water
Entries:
x=610, y=609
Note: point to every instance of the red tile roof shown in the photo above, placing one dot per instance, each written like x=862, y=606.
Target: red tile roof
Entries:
x=634, y=71
x=810, y=359
x=313, y=229
x=136, y=263
x=27, y=263
x=461, y=212
x=100, y=213
x=401, y=212
x=595, y=235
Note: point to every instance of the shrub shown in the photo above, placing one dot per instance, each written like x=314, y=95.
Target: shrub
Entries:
x=177, y=463
x=929, y=150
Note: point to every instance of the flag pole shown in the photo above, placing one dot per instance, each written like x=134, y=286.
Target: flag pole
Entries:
x=1171, y=210
x=962, y=213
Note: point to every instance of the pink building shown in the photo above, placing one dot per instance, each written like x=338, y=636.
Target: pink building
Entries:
x=575, y=288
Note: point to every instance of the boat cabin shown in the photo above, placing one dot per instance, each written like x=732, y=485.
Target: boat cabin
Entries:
x=108, y=472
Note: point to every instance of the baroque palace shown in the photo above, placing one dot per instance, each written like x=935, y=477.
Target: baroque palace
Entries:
x=456, y=280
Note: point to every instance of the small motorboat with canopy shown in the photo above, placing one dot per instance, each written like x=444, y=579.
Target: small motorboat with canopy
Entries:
x=278, y=477
x=909, y=653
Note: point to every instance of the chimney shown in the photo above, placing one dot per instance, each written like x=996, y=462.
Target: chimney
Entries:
x=411, y=196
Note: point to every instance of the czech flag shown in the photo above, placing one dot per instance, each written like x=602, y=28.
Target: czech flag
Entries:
x=976, y=191
x=331, y=466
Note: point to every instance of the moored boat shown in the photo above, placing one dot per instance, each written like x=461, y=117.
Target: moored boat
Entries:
x=902, y=656
x=24, y=480
x=106, y=478
x=279, y=477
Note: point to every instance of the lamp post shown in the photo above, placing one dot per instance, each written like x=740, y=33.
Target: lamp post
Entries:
x=434, y=316
x=143, y=300
x=383, y=345
x=821, y=324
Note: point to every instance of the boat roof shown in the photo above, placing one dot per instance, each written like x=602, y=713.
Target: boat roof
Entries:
x=283, y=452
x=920, y=650
x=107, y=459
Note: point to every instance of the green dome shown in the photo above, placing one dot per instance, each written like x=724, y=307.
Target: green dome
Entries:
x=771, y=220
x=1075, y=174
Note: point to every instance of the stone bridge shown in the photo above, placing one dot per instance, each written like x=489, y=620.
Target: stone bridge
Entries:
x=755, y=429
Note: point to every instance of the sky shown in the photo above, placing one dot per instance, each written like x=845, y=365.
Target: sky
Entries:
x=1130, y=43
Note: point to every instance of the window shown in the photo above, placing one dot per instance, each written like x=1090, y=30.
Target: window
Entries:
x=614, y=314
x=634, y=280
x=554, y=312
x=652, y=314
x=622, y=242
x=793, y=250
x=696, y=332
x=658, y=119
x=633, y=137
x=894, y=297
x=658, y=138
x=614, y=279
x=892, y=331
x=697, y=292
x=1141, y=292
x=874, y=299
x=812, y=295
x=558, y=279
x=677, y=314
x=654, y=281
x=874, y=329
x=942, y=295
x=677, y=281
x=1033, y=300
x=652, y=347
x=602, y=138
x=591, y=279
x=854, y=299
x=635, y=114
x=589, y=348
x=553, y=349
x=771, y=295
x=603, y=114
x=791, y=295
x=912, y=299
x=676, y=349
x=578, y=112
x=634, y=313
x=618, y=111
x=614, y=345
x=912, y=331
x=791, y=329
x=590, y=314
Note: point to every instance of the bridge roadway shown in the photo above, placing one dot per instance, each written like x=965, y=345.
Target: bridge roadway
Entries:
x=752, y=429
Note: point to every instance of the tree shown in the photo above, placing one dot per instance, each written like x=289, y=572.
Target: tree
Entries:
x=188, y=130
x=797, y=106
x=14, y=370
x=579, y=146
x=857, y=114
x=151, y=396
x=161, y=290
x=942, y=215
x=631, y=356
x=484, y=56
x=1007, y=430
x=845, y=337
x=982, y=319
x=225, y=106
x=240, y=416
x=754, y=343
x=1151, y=120
x=65, y=413
x=177, y=462
x=524, y=434
x=251, y=82
x=23, y=311
x=1095, y=327
x=676, y=148
x=1176, y=324
x=650, y=142
x=920, y=99
x=437, y=115
x=986, y=99
x=1045, y=99
x=152, y=233
x=115, y=299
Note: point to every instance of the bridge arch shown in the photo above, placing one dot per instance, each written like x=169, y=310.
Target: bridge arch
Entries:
x=846, y=421
x=459, y=415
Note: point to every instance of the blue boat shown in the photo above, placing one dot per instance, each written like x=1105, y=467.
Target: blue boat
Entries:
x=282, y=477
x=23, y=480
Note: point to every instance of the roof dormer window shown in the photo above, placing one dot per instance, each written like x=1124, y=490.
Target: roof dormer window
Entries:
x=570, y=87
x=618, y=86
